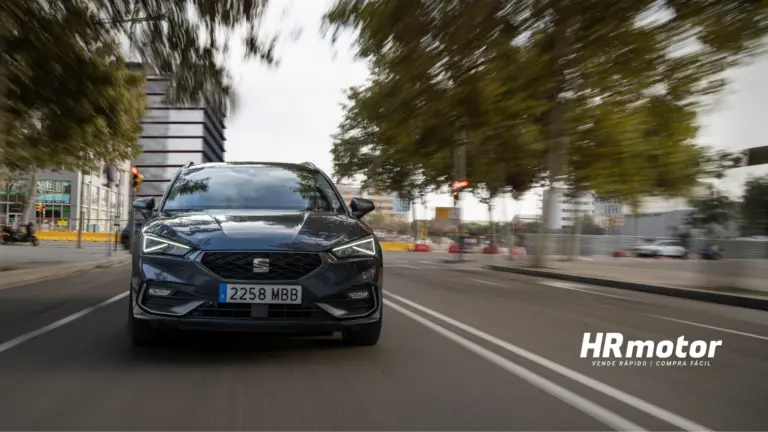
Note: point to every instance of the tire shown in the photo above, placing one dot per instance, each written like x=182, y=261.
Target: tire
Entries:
x=363, y=334
x=35, y=241
x=141, y=332
x=6, y=240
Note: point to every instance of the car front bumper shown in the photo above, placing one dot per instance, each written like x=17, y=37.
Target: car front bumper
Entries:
x=288, y=327
x=324, y=295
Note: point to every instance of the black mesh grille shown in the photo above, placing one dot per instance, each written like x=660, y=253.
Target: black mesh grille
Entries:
x=282, y=266
x=305, y=311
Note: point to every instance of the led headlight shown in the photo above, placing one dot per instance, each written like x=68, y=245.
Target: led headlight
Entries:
x=360, y=248
x=155, y=245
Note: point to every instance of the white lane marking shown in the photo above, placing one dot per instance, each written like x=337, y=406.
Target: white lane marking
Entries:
x=486, y=282
x=425, y=262
x=584, y=405
x=605, y=389
x=582, y=288
x=712, y=327
x=5, y=346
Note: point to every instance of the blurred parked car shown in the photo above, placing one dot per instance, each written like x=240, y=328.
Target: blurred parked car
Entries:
x=661, y=248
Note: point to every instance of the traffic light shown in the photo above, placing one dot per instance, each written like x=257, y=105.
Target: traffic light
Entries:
x=39, y=208
x=137, y=179
x=456, y=188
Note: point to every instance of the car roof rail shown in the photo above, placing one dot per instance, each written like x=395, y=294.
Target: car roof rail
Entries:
x=309, y=165
x=188, y=164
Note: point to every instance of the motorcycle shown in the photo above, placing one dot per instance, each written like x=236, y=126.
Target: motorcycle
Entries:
x=13, y=235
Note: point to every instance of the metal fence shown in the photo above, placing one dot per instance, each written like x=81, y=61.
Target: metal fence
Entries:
x=604, y=245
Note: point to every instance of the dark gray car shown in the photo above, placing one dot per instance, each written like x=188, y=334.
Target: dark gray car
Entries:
x=255, y=247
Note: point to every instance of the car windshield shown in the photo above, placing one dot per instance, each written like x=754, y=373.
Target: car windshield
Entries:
x=249, y=187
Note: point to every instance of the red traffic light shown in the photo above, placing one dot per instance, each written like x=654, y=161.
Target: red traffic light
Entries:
x=134, y=170
x=460, y=184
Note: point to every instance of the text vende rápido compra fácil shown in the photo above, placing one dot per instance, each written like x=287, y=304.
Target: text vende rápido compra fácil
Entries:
x=612, y=345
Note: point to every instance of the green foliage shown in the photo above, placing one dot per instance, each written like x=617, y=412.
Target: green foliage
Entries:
x=608, y=91
x=66, y=98
x=712, y=211
x=401, y=130
x=755, y=207
x=189, y=41
x=71, y=103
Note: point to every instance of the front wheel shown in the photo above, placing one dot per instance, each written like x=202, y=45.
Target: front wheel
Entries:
x=35, y=241
x=363, y=334
x=6, y=239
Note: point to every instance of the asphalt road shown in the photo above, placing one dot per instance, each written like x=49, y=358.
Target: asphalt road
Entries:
x=462, y=349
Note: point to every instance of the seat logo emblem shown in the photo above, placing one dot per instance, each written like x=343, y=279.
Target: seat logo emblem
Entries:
x=261, y=265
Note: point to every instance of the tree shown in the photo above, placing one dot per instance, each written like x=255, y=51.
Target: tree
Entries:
x=187, y=41
x=755, y=207
x=74, y=105
x=619, y=92
x=712, y=211
x=401, y=133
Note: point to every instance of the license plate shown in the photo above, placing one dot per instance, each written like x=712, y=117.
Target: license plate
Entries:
x=260, y=294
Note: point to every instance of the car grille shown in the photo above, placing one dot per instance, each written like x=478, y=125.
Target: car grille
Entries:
x=259, y=311
x=282, y=265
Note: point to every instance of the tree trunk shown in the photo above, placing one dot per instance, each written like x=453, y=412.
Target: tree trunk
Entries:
x=4, y=71
x=29, y=205
x=557, y=137
x=490, y=224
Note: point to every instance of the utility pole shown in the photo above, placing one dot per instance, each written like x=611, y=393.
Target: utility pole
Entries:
x=460, y=176
x=81, y=212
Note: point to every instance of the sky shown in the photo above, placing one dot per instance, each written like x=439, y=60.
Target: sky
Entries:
x=288, y=113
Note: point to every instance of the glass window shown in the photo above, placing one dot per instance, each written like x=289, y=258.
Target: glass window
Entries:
x=156, y=101
x=174, y=115
x=169, y=158
x=94, y=196
x=54, y=191
x=182, y=130
x=172, y=144
x=157, y=86
x=164, y=173
x=252, y=187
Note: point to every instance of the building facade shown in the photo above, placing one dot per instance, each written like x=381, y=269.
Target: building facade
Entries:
x=173, y=136
x=66, y=196
x=567, y=211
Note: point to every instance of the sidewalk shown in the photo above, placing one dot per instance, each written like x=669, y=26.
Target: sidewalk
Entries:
x=26, y=263
x=738, y=282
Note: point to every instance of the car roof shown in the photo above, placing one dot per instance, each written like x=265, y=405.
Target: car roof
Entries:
x=301, y=166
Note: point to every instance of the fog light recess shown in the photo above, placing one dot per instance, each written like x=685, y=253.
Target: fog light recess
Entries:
x=160, y=292
x=359, y=294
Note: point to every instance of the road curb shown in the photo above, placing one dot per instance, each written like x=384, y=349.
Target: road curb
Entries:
x=748, y=302
x=13, y=278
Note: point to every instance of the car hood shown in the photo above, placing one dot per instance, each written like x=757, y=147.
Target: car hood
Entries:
x=258, y=229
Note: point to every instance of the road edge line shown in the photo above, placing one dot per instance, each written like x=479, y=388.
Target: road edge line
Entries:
x=633, y=401
x=21, y=277
x=18, y=340
x=571, y=398
x=747, y=302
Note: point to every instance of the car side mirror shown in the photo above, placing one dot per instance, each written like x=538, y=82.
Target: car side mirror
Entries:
x=145, y=206
x=361, y=207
